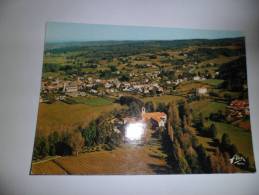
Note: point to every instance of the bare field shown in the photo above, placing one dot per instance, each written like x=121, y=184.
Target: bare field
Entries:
x=50, y=166
x=128, y=159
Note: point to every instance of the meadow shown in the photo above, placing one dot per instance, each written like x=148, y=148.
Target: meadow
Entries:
x=241, y=137
x=61, y=117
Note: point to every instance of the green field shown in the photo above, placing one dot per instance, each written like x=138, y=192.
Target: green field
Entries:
x=54, y=59
x=213, y=82
x=187, y=86
x=240, y=137
x=93, y=101
x=163, y=99
x=206, y=107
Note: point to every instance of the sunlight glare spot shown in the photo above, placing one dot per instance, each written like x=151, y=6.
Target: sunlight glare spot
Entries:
x=135, y=131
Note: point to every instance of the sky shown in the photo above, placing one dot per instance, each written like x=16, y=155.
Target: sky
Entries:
x=68, y=32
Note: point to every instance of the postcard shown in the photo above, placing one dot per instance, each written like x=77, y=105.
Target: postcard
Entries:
x=133, y=100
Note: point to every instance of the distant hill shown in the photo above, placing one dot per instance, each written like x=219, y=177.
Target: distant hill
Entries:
x=108, y=49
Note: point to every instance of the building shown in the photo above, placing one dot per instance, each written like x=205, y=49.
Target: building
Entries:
x=238, y=109
x=196, y=78
x=158, y=119
x=70, y=88
x=201, y=91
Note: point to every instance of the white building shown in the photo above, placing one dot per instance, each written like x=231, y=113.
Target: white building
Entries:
x=202, y=91
x=196, y=78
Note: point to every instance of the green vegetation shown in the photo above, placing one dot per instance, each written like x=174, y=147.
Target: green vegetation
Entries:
x=213, y=82
x=240, y=137
x=62, y=117
x=93, y=101
x=206, y=107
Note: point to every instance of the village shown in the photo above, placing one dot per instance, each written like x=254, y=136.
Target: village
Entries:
x=83, y=86
x=148, y=87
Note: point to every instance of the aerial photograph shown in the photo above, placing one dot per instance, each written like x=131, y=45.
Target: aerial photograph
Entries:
x=136, y=100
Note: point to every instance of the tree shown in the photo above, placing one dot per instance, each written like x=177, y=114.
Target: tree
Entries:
x=105, y=133
x=220, y=163
x=234, y=80
x=127, y=100
x=106, y=74
x=171, y=75
x=199, y=123
x=124, y=77
x=203, y=159
x=134, y=109
x=212, y=131
x=90, y=134
x=50, y=68
x=173, y=116
x=161, y=107
x=225, y=141
x=192, y=159
x=149, y=106
x=185, y=111
x=76, y=142
x=183, y=166
x=53, y=139
x=184, y=124
x=227, y=146
x=219, y=116
x=41, y=148
x=113, y=68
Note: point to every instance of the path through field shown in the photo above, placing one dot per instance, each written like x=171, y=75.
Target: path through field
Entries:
x=127, y=159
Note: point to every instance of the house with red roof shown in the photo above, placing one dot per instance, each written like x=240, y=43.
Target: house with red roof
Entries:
x=158, y=119
x=238, y=109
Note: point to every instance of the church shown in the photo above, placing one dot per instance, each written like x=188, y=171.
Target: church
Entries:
x=158, y=119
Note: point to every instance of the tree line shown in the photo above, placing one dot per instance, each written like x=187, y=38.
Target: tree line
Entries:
x=98, y=132
x=185, y=154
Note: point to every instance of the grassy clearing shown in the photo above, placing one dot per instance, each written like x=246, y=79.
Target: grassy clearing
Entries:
x=239, y=136
x=65, y=117
x=54, y=60
x=162, y=99
x=219, y=60
x=206, y=107
x=189, y=85
x=51, y=74
x=213, y=82
x=93, y=101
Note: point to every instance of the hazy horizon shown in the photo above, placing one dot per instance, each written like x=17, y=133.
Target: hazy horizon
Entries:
x=59, y=32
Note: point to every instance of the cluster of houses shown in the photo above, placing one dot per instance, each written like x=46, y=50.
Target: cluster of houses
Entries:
x=149, y=84
x=238, y=109
x=100, y=87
